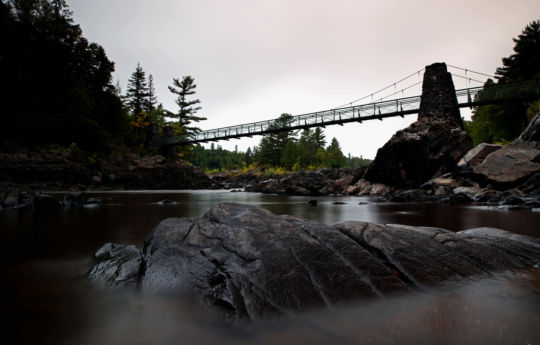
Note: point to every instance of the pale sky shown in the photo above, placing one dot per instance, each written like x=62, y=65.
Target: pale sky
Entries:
x=253, y=60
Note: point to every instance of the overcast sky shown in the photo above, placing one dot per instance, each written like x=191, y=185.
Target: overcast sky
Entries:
x=253, y=60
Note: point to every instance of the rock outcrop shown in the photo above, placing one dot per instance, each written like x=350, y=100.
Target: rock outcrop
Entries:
x=514, y=163
x=430, y=146
x=316, y=182
x=65, y=169
x=247, y=263
x=496, y=174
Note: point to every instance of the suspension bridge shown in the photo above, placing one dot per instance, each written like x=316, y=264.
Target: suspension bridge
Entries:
x=374, y=110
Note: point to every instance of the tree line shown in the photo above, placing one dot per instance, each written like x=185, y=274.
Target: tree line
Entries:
x=57, y=89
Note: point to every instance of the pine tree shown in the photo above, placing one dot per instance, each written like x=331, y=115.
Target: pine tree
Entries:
x=318, y=139
x=336, y=159
x=273, y=144
x=151, y=100
x=524, y=64
x=188, y=108
x=503, y=122
x=137, y=91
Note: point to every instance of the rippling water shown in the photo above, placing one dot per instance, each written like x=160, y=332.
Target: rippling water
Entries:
x=48, y=301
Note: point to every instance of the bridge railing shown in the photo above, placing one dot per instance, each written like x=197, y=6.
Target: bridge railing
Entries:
x=357, y=113
x=376, y=110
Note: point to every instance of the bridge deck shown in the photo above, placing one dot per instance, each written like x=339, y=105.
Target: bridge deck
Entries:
x=376, y=110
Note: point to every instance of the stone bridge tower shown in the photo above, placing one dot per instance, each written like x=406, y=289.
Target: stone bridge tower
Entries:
x=429, y=147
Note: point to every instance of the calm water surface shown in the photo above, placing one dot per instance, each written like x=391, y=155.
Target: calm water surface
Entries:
x=47, y=300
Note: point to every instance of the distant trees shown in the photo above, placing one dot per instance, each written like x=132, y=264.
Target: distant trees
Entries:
x=335, y=157
x=504, y=122
x=272, y=146
x=284, y=149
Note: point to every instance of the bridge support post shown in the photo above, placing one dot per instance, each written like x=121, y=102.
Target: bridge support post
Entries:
x=439, y=95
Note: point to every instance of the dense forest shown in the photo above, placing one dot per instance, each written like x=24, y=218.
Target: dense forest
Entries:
x=57, y=90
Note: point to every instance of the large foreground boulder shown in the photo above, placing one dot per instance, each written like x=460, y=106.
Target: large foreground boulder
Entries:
x=429, y=147
x=248, y=263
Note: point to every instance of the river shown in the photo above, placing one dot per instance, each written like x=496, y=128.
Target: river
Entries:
x=47, y=300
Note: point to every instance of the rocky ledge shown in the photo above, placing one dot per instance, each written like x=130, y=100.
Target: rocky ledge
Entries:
x=65, y=169
x=246, y=263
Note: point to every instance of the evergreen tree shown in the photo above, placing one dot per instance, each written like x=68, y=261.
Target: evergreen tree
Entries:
x=137, y=91
x=272, y=144
x=504, y=122
x=151, y=100
x=524, y=64
x=318, y=138
x=335, y=157
x=187, y=108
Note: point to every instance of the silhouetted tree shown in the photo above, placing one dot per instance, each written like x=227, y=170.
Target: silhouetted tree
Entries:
x=504, y=122
x=137, y=95
x=187, y=108
x=151, y=100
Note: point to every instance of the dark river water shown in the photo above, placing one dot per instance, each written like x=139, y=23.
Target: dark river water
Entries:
x=46, y=299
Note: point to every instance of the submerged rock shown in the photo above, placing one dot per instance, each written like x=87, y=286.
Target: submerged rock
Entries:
x=248, y=263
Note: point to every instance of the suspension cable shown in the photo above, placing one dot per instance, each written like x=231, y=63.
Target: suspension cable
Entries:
x=468, y=78
x=384, y=88
x=468, y=70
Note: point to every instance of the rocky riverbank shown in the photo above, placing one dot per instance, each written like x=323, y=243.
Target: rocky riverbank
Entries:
x=25, y=174
x=246, y=263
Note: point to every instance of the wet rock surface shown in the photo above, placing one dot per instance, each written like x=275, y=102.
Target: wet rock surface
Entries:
x=247, y=263
x=116, y=265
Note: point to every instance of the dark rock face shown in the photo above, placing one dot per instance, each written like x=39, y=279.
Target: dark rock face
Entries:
x=429, y=147
x=116, y=265
x=248, y=263
x=424, y=150
x=315, y=182
x=532, y=132
x=154, y=172
x=65, y=170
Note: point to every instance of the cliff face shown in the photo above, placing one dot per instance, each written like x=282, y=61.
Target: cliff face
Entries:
x=429, y=147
